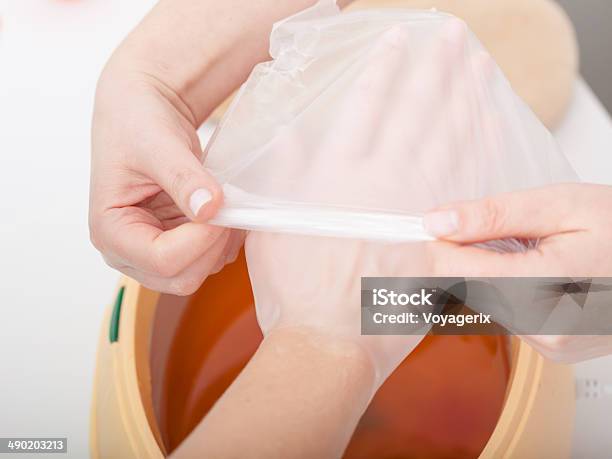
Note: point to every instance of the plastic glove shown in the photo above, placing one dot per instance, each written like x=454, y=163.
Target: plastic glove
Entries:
x=427, y=124
x=314, y=282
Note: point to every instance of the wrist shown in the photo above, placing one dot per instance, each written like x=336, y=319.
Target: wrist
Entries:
x=203, y=50
x=300, y=384
x=196, y=51
x=343, y=358
x=124, y=76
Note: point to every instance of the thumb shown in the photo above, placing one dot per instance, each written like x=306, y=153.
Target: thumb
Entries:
x=531, y=213
x=192, y=188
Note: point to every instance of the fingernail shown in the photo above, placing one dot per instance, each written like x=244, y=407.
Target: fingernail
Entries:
x=441, y=223
x=198, y=199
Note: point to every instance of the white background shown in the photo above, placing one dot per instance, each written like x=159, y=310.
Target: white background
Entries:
x=53, y=284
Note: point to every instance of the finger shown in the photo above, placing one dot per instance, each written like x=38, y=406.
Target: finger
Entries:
x=444, y=154
x=484, y=110
x=134, y=236
x=230, y=251
x=163, y=207
x=282, y=166
x=569, y=349
x=423, y=93
x=213, y=261
x=190, y=279
x=174, y=222
x=366, y=98
x=180, y=173
x=533, y=213
x=234, y=244
x=187, y=281
x=477, y=133
x=454, y=260
x=457, y=128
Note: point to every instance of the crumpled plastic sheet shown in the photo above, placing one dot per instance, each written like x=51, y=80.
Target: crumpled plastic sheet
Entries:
x=363, y=121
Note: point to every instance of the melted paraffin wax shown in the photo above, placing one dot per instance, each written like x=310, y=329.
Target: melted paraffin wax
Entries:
x=443, y=401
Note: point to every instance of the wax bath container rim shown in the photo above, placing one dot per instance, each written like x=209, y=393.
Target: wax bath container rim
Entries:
x=123, y=422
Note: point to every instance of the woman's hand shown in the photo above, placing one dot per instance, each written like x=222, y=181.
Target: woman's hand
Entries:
x=150, y=195
x=573, y=224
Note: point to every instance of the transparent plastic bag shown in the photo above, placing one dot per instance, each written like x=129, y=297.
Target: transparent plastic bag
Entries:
x=363, y=121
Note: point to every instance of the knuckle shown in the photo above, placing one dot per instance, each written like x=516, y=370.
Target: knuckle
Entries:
x=153, y=284
x=95, y=239
x=165, y=270
x=162, y=264
x=94, y=233
x=180, y=182
x=110, y=262
x=554, y=347
x=183, y=286
x=493, y=216
x=217, y=267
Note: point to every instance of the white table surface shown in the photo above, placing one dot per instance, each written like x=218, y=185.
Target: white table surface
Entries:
x=53, y=284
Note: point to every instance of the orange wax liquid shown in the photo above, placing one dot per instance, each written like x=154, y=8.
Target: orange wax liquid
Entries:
x=443, y=401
